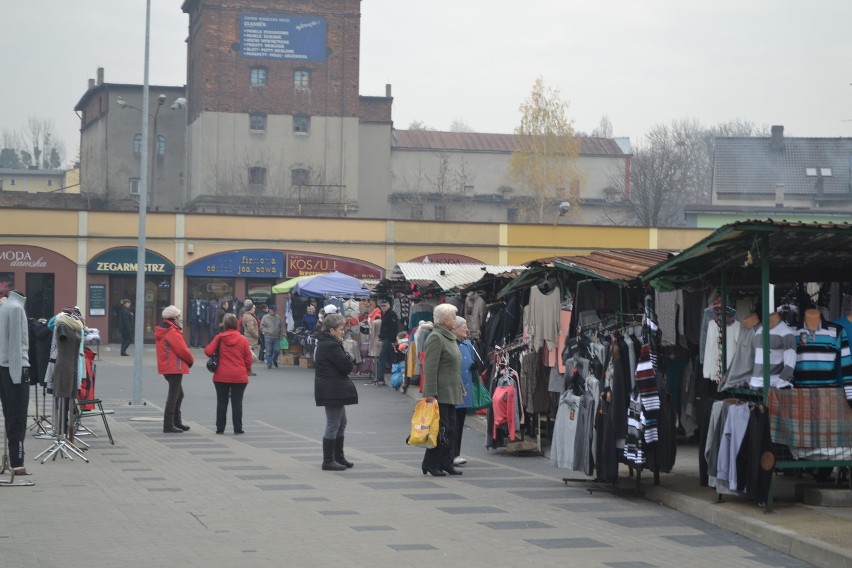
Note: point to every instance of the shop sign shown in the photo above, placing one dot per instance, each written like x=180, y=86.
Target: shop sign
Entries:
x=447, y=258
x=123, y=261
x=239, y=264
x=20, y=258
x=97, y=299
x=313, y=264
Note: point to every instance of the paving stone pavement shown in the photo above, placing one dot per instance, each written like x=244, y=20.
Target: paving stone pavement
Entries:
x=260, y=499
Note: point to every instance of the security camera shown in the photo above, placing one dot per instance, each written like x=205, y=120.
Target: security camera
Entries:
x=180, y=102
x=161, y=99
x=564, y=207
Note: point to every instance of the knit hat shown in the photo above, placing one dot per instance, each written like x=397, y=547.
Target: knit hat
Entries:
x=171, y=312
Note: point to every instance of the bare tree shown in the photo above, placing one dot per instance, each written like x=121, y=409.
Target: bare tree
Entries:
x=41, y=142
x=604, y=128
x=460, y=125
x=544, y=165
x=419, y=125
x=442, y=192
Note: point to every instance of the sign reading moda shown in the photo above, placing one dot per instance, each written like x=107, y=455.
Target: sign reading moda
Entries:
x=282, y=37
x=123, y=261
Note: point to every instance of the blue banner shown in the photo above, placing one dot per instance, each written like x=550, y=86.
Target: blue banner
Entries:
x=239, y=264
x=282, y=37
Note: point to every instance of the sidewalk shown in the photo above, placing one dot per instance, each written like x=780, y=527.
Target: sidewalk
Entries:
x=821, y=536
x=154, y=485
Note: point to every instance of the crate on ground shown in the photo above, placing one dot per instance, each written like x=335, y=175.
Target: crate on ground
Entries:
x=306, y=363
x=288, y=359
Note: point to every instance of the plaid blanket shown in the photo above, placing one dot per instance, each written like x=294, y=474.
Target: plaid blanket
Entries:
x=810, y=418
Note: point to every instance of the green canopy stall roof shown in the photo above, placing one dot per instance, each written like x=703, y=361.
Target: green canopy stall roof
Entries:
x=810, y=252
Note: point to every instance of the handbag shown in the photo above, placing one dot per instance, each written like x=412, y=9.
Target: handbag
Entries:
x=213, y=361
x=425, y=423
x=479, y=398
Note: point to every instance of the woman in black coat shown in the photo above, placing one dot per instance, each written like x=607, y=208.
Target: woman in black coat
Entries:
x=333, y=389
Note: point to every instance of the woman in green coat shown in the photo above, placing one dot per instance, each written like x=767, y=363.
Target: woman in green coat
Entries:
x=442, y=382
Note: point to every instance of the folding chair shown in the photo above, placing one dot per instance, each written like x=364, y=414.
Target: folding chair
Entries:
x=90, y=406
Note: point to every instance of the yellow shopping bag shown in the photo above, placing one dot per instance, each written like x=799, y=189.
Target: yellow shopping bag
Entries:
x=425, y=423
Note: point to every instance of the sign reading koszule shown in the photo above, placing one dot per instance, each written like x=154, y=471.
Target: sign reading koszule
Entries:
x=299, y=264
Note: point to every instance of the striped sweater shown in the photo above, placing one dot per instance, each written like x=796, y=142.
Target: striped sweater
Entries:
x=823, y=358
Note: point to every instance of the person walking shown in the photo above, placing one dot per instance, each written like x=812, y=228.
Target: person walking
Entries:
x=470, y=365
x=224, y=308
x=15, y=376
x=174, y=360
x=251, y=331
x=442, y=382
x=125, y=325
x=333, y=389
x=272, y=328
x=387, y=335
x=231, y=376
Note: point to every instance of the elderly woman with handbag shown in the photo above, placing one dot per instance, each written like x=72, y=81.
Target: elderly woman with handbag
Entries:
x=232, y=372
x=442, y=382
x=173, y=362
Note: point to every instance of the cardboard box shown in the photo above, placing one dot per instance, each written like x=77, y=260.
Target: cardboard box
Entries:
x=288, y=359
x=306, y=363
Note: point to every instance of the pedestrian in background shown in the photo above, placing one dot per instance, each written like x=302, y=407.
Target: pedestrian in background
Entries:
x=224, y=308
x=125, y=325
x=333, y=389
x=387, y=335
x=174, y=360
x=231, y=376
x=251, y=331
x=470, y=366
x=272, y=328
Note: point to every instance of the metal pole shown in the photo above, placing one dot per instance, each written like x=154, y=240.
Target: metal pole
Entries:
x=139, y=327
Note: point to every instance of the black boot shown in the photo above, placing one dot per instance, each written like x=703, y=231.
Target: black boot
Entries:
x=338, y=453
x=328, y=463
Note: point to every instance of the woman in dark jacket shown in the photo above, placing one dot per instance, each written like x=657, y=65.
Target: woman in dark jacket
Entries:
x=333, y=389
x=173, y=362
x=224, y=308
x=231, y=376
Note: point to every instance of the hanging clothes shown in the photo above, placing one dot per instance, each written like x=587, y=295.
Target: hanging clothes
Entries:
x=541, y=318
x=782, y=356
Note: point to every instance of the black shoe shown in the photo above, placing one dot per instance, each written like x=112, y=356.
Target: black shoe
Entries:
x=453, y=471
x=220, y=431
x=434, y=472
x=172, y=430
x=339, y=457
x=239, y=432
x=183, y=427
x=125, y=355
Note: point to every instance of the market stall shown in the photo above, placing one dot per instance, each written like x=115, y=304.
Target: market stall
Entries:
x=793, y=397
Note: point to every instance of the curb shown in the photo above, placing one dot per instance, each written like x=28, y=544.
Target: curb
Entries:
x=818, y=553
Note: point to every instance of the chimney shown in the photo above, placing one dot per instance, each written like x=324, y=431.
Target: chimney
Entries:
x=779, y=195
x=101, y=82
x=91, y=84
x=777, y=142
x=388, y=90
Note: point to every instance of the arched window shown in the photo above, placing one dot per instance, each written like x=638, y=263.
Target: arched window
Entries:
x=137, y=143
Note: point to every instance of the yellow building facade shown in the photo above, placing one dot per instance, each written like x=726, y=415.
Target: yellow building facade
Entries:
x=88, y=258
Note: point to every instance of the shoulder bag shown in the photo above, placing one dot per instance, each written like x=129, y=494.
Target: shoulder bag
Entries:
x=213, y=361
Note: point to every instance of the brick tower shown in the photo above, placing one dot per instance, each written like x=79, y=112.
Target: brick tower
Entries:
x=273, y=105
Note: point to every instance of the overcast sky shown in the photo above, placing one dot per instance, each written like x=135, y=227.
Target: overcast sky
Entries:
x=641, y=63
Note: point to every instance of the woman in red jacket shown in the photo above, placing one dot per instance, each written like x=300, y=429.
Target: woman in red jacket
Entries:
x=231, y=377
x=173, y=362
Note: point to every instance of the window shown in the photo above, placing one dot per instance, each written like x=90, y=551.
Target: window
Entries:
x=258, y=76
x=467, y=190
x=302, y=79
x=50, y=183
x=137, y=143
x=440, y=212
x=300, y=176
x=134, y=186
x=161, y=145
x=257, y=122
x=511, y=215
x=825, y=172
x=11, y=181
x=301, y=124
x=257, y=176
x=417, y=211
x=810, y=172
